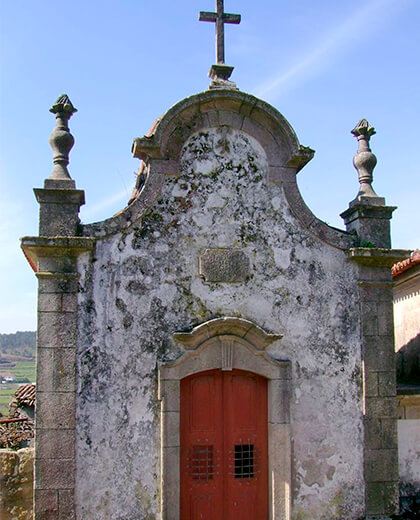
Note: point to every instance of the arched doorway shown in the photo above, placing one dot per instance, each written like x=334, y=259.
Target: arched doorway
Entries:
x=223, y=446
x=227, y=345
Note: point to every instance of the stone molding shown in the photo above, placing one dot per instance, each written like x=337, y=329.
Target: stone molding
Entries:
x=240, y=327
x=36, y=248
x=161, y=152
x=376, y=257
x=226, y=344
x=379, y=381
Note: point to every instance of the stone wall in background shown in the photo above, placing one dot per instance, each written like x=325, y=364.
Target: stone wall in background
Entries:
x=16, y=484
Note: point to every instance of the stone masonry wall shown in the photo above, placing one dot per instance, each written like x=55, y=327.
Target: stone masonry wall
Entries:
x=16, y=484
x=142, y=285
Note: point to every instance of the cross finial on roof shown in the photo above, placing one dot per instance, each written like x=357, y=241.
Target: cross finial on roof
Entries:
x=220, y=70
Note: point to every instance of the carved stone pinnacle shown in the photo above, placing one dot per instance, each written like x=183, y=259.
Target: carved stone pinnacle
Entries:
x=363, y=128
x=63, y=104
x=61, y=140
x=364, y=161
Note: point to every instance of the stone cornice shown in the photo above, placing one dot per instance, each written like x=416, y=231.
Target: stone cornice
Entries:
x=42, y=247
x=376, y=257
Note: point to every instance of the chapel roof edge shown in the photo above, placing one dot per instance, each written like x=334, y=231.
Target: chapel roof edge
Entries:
x=226, y=100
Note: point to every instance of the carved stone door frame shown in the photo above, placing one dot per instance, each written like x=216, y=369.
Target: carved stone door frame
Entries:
x=226, y=344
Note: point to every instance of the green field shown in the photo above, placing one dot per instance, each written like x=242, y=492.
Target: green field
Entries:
x=22, y=370
x=5, y=396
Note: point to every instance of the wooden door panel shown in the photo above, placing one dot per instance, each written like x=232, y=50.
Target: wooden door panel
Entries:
x=224, y=446
x=201, y=436
x=245, y=438
x=202, y=404
x=202, y=507
x=243, y=505
x=242, y=407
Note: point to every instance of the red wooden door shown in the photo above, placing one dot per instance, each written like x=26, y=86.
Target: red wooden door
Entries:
x=223, y=435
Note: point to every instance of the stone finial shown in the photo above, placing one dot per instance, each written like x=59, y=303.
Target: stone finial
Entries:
x=61, y=140
x=364, y=161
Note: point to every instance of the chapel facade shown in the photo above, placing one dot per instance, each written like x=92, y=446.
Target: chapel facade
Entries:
x=214, y=351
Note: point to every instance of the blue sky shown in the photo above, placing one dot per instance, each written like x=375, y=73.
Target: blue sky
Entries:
x=324, y=65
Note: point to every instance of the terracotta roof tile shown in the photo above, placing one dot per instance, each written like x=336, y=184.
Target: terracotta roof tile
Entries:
x=25, y=395
x=408, y=263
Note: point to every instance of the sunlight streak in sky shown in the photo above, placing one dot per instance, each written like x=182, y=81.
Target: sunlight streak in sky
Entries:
x=356, y=30
x=96, y=210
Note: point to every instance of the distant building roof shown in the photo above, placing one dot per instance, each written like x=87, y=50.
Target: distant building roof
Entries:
x=25, y=395
x=408, y=263
x=6, y=374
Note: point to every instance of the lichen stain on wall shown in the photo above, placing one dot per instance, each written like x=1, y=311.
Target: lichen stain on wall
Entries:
x=143, y=285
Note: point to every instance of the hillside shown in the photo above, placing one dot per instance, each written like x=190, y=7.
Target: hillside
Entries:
x=19, y=344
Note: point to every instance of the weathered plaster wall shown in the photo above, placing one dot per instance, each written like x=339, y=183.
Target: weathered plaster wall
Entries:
x=143, y=285
x=407, y=307
x=16, y=482
x=409, y=457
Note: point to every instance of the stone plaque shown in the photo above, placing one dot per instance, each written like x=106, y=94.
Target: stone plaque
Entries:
x=224, y=265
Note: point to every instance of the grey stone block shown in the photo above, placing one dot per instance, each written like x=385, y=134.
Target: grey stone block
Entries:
x=171, y=429
x=381, y=465
x=64, y=374
x=46, y=504
x=230, y=119
x=55, y=473
x=56, y=369
x=378, y=353
x=279, y=401
x=374, y=498
x=389, y=433
x=45, y=369
x=58, y=219
x=375, y=292
x=385, y=318
x=57, y=282
x=49, y=302
x=373, y=432
x=369, y=318
x=55, y=444
x=381, y=407
x=69, y=303
x=391, y=498
x=170, y=395
x=371, y=384
x=387, y=384
x=55, y=411
x=57, y=330
x=56, y=264
x=67, y=507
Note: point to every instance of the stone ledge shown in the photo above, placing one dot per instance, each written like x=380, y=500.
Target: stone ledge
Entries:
x=37, y=247
x=377, y=257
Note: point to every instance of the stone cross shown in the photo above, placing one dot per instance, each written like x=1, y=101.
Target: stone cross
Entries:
x=220, y=18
